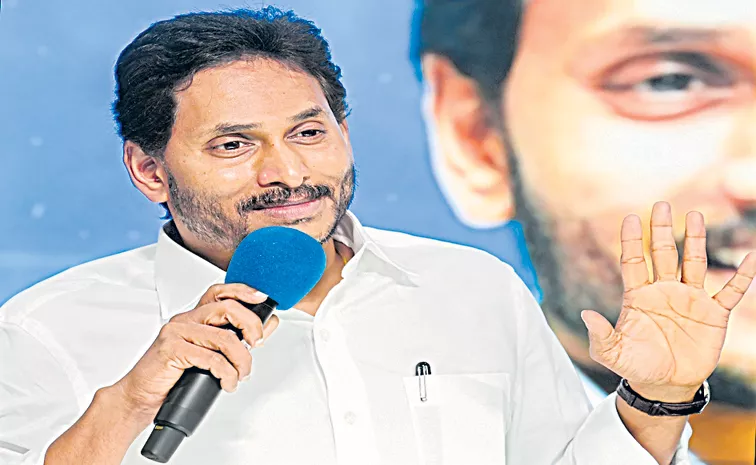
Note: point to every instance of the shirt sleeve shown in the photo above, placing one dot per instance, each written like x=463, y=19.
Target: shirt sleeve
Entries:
x=552, y=420
x=37, y=400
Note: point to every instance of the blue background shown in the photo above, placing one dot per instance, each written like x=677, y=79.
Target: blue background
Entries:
x=66, y=196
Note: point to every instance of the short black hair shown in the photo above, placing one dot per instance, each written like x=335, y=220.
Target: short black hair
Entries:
x=478, y=36
x=169, y=53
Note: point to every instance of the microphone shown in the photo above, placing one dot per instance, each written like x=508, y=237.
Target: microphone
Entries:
x=283, y=263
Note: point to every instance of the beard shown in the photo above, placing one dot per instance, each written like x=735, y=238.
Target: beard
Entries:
x=202, y=215
x=575, y=274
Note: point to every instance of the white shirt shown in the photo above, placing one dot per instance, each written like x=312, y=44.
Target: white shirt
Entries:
x=337, y=388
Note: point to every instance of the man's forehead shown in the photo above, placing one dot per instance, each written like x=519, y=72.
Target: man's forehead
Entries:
x=706, y=14
x=591, y=15
x=586, y=20
x=259, y=79
x=248, y=93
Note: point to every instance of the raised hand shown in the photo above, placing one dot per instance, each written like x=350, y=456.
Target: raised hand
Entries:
x=670, y=332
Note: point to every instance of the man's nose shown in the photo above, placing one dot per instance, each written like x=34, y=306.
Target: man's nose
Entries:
x=282, y=165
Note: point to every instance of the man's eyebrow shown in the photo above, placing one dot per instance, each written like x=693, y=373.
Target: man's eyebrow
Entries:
x=228, y=128
x=625, y=42
x=649, y=36
x=307, y=114
x=666, y=36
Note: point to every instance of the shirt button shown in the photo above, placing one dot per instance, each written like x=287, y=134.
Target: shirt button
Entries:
x=325, y=335
x=350, y=418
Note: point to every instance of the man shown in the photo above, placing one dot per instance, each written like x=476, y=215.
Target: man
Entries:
x=609, y=105
x=236, y=121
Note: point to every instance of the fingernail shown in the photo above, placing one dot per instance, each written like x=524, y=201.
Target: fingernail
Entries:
x=246, y=345
x=259, y=295
x=260, y=342
x=585, y=322
x=246, y=377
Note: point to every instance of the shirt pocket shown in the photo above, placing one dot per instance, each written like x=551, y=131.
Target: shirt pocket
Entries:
x=463, y=420
x=12, y=454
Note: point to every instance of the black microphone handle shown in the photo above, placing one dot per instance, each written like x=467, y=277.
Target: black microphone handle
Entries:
x=189, y=400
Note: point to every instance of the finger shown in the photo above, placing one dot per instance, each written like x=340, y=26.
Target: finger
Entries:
x=634, y=268
x=663, y=248
x=268, y=329
x=604, y=340
x=221, y=340
x=236, y=291
x=736, y=287
x=227, y=312
x=190, y=355
x=694, y=250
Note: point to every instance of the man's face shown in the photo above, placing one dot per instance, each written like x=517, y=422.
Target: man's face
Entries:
x=255, y=144
x=624, y=102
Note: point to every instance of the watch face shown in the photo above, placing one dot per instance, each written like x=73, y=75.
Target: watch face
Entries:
x=706, y=396
x=707, y=393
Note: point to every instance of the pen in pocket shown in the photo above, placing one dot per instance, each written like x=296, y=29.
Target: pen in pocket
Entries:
x=422, y=370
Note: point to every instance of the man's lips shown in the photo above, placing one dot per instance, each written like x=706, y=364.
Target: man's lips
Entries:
x=726, y=244
x=296, y=210
x=729, y=258
x=288, y=204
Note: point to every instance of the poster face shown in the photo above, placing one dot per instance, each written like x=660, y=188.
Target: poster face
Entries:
x=584, y=111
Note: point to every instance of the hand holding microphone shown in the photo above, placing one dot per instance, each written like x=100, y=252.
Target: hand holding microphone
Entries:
x=196, y=354
x=195, y=339
x=284, y=263
x=120, y=412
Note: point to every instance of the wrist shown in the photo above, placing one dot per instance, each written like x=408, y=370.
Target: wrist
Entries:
x=115, y=399
x=659, y=436
x=102, y=435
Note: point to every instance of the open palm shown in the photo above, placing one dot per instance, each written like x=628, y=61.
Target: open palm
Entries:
x=670, y=332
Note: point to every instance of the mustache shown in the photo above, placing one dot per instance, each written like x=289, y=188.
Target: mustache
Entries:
x=280, y=196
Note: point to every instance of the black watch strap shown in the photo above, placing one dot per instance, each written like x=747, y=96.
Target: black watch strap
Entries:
x=657, y=409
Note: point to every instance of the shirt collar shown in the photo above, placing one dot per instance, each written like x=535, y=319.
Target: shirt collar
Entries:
x=181, y=277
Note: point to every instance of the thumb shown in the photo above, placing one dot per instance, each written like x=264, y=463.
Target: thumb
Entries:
x=270, y=326
x=603, y=338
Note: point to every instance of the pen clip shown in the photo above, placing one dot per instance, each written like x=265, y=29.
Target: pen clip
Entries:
x=422, y=370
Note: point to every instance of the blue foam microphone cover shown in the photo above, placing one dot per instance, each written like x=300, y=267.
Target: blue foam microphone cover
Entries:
x=284, y=263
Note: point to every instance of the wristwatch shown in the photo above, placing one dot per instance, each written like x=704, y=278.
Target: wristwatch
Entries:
x=659, y=409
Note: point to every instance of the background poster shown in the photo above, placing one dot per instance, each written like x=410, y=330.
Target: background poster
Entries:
x=567, y=116
x=610, y=106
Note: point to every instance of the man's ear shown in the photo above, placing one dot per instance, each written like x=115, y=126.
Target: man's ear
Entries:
x=468, y=151
x=147, y=173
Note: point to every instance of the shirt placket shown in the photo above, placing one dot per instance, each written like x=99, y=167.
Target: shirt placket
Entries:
x=347, y=398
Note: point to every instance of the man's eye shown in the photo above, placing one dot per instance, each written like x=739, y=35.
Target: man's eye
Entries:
x=233, y=145
x=308, y=136
x=670, y=85
x=672, y=82
x=231, y=148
